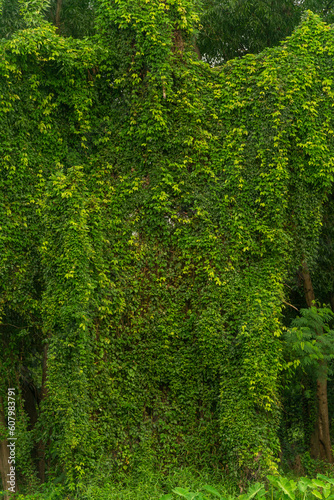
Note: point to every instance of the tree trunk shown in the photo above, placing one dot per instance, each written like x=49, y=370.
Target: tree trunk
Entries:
x=4, y=452
x=57, y=17
x=325, y=449
x=197, y=49
x=320, y=440
x=41, y=445
x=308, y=287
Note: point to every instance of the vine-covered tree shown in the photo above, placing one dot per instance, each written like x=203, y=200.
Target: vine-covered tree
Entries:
x=151, y=210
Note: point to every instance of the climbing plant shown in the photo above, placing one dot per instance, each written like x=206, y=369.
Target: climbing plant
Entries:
x=151, y=208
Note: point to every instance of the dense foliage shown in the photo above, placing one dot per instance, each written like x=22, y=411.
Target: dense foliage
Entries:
x=233, y=28
x=151, y=211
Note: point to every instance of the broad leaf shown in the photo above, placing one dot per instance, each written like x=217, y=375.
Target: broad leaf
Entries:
x=189, y=495
x=325, y=478
x=288, y=487
x=303, y=484
x=317, y=493
x=212, y=490
x=317, y=482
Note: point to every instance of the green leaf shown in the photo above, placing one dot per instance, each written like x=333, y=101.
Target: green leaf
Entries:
x=318, y=483
x=288, y=487
x=185, y=493
x=317, y=493
x=272, y=480
x=326, y=491
x=303, y=484
x=255, y=489
x=212, y=490
x=169, y=496
x=325, y=478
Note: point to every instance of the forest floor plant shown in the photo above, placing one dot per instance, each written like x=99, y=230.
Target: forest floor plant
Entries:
x=151, y=485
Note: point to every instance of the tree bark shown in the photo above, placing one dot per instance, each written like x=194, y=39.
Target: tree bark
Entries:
x=325, y=449
x=41, y=445
x=198, y=52
x=320, y=440
x=4, y=451
x=58, y=11
x=308, y=287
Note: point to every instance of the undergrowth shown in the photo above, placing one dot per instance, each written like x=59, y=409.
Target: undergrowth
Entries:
x=189, y=484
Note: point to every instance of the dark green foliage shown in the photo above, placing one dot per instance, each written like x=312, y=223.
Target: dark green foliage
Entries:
x=10, y=20
x=323, y=270
x=311, y=340
x=309, y=353
x=71, y=17
x=233, y=28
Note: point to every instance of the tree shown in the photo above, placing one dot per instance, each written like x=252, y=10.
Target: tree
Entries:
x=311, y=339
x=150, y=213
x=72, y=17
x=233, y=28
